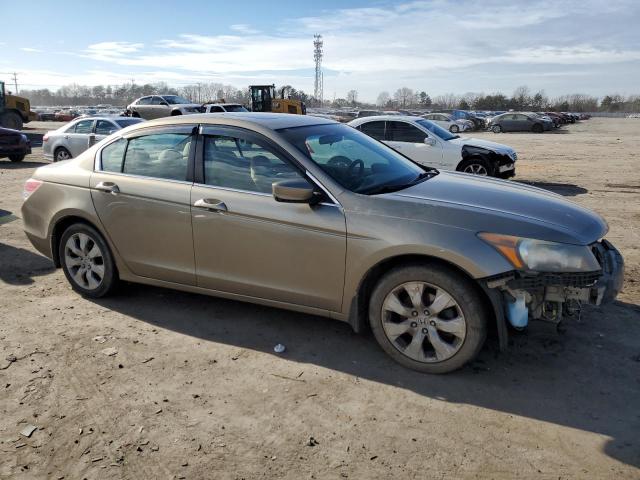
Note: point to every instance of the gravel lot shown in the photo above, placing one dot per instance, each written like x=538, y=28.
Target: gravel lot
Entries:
x=195, y=390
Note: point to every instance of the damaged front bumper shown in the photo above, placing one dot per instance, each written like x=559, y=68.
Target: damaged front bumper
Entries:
x=551, y=296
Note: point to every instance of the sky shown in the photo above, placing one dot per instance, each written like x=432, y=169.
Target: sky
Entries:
x=439, y=46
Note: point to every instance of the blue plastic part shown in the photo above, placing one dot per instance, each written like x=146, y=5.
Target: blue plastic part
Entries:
x=517, y=312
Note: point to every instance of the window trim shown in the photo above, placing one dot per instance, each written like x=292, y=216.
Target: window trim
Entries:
x=146, y=131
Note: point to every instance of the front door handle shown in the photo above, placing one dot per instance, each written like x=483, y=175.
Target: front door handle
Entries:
x=108, y=187
x=211, y=205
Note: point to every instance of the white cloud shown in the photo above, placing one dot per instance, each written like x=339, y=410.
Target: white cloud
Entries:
x=244, y=28
x=30, y=50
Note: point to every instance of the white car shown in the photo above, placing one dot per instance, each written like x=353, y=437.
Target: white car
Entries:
x=448, y=122
x=223, y=107
x=428, y=144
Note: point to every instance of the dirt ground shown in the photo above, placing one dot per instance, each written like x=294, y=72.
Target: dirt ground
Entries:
x=195, y=389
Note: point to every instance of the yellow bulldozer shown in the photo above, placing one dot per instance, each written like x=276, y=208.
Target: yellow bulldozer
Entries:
x=264, y=99
x=14, y=110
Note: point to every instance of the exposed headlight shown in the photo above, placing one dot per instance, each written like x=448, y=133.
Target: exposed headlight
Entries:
x=514, y=156
x=541, y=256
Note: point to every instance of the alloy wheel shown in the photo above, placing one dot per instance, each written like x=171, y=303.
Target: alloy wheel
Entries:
x=424, y=322
x=62, y=154
x=476, y=169
x=84, y=261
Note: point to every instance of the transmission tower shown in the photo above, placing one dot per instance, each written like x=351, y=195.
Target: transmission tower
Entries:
x=317, y=57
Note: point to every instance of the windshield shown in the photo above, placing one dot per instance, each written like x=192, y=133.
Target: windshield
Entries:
x=354, y=160
x=127, y=122
x=436, y=129
x=235, y=108
x=175, y=99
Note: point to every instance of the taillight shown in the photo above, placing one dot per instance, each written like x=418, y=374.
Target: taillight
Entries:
x=45, y=138
x=30, y=186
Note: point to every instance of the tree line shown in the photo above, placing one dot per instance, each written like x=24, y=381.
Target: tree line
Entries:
x=403, y=98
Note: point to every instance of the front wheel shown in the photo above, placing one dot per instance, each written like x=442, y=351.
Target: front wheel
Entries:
x=87, y=261
x=476, y=166
x=537, y=128
x=454, y=129
x=429, y=318
x=496, y=129
x=17, y=158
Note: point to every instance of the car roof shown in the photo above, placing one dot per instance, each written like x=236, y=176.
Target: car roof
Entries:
x=273, y=121
x=104, y=117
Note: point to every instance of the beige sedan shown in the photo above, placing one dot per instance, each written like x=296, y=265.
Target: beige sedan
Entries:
x=311, y=215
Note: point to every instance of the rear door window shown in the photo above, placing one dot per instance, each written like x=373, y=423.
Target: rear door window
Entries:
x=404, y=132
x=161, y=155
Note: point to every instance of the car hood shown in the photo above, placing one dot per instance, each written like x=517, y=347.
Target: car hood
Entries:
x=500, y=206
x=476, y=142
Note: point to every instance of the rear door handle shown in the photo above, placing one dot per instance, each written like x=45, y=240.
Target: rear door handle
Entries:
x=108, y=187
x=211, y=205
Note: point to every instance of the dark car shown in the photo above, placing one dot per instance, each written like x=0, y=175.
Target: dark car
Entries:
x=14, y=144
x=478, y=123
x=517, y=122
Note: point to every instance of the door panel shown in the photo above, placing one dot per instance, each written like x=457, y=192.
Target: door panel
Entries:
x=292, y=253
x=250, y=244
x=147, y=214
x=149, y=222
x=409, y=140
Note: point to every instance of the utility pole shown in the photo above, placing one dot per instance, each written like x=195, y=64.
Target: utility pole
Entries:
x=15, y=81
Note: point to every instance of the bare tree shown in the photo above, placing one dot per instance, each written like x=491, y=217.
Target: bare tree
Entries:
x=448, y=100
x=352, y=97
x=404, y=96
x=383, y=99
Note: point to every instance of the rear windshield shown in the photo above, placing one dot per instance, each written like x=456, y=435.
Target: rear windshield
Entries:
x=235, y=108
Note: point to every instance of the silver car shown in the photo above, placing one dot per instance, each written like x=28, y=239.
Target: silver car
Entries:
x=75, y=137
x=158, y=106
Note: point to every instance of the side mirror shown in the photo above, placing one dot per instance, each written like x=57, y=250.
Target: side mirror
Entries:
x=293, y=191
x=429, y=141
x=164, y=104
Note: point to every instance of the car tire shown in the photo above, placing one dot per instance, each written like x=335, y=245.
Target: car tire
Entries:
x=135, y=114
x=454, y=129
x=537, y=128
x=87, y=261
x=476, y=166
x=11, y=120
x=496, y=129
x=17, y=158
x=176, y=112
x=61, y=154
x=448, y=338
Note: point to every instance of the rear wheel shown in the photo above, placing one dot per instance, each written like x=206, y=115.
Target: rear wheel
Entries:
x=11, y=120
x=87, y=261
x=537, y=128
x=428, y=318
x=61, y=154
x=17, y=158
x=496, y=129
x=454, y=128
x=176, y=112
x=476, y=166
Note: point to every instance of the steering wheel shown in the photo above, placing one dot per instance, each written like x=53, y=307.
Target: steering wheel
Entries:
x=339, y=161
x=352, y=168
